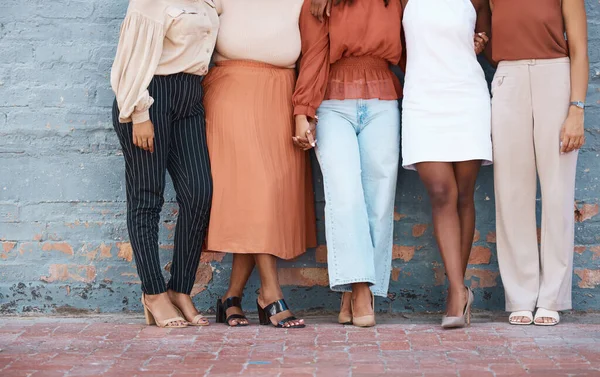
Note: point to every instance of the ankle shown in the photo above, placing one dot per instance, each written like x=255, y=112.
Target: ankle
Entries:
x=229, y=294
x=175, y=294
x=268, y=296
x=457, y=288
x=155, y=299
x=360, y=290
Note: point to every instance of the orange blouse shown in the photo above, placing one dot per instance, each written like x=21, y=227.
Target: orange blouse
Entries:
x=348, y=55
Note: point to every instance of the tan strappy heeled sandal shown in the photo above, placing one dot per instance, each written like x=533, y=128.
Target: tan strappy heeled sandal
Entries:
x=167, y=323
x=198, y=320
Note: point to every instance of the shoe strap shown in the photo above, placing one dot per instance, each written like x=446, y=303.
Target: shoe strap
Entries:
x=170, y=321
x=198, y=318
x=276, y=307
x=545, y=313
x=523, y=313
x=232, y=302
x=284, y=321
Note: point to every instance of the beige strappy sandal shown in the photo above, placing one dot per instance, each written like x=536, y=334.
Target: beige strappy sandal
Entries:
x=167, y=323
x=199, y=320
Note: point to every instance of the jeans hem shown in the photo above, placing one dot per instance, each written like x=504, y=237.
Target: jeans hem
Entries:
x=347, y=288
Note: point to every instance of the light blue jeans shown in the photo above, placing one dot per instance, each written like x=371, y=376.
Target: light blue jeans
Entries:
x=358, y=150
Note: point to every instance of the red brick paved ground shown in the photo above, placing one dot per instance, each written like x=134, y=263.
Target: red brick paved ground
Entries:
x=123, y=346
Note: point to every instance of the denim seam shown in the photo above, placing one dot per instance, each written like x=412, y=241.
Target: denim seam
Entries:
x=355, y=280
x=328, y=222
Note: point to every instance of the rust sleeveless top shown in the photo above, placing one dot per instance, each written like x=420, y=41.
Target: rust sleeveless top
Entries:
x=528, y=29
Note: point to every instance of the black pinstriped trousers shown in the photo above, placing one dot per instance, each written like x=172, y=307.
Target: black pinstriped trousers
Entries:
x=180, y=148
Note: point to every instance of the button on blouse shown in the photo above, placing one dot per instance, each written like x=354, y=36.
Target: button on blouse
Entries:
x=160, y=37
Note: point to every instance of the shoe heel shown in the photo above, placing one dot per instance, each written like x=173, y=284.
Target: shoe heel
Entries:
x=147, y=314
x=263, y=319
x=220, y=317
x=470, y=299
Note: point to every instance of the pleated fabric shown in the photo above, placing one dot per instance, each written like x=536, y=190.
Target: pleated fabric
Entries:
x=263, y=200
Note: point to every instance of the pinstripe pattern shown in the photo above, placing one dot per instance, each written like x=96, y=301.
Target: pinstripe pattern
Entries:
x=180, y=149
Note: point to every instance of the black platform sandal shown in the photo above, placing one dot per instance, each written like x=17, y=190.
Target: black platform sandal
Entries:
x=264, y=315
x=222, y=307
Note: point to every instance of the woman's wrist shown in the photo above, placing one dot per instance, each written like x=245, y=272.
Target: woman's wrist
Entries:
x=301, y=117
x=575, y=111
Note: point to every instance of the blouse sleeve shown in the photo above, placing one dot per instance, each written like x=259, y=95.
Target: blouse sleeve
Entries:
x=314, y=63
x=138, y=54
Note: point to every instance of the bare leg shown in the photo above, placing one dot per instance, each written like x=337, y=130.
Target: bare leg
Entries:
x=466, y=177
x=270, y=290
x=441, y=186
x=241, y=269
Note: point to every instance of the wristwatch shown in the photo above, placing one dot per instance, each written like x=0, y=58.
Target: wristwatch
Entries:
x=579, y=104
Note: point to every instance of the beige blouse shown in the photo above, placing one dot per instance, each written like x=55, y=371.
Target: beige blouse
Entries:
x=160, y=37
x=266, y=31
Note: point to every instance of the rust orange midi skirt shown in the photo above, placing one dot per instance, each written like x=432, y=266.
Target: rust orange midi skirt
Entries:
x=263, y=200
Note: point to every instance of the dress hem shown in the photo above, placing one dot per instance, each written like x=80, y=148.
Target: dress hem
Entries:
x=412, y=164
x=255, y=252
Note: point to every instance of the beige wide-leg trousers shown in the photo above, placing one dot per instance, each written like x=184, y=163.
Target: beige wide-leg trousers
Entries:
x=529, y=105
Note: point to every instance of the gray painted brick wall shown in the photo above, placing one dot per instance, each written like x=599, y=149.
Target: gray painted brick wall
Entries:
x=63, y=243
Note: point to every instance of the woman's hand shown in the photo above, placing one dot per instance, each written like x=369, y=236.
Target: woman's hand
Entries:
x=320, y=8
x=143, y=135
x=481, y=41
x=305, y=132
x=572, y=133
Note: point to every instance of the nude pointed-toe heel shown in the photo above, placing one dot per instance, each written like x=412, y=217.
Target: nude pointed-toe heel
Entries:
x=344, y=318
x=365, y=320
x=465, y=319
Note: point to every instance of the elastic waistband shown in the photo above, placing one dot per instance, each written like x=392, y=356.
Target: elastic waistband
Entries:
x=361, y=62
x=248, y=64
x=534, y=62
